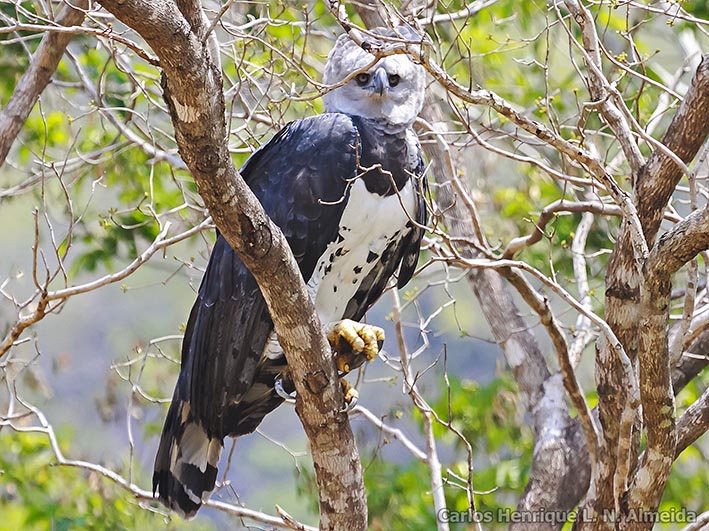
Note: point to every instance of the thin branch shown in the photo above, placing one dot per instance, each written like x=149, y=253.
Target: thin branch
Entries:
x=472, y=9
x=599, y=87
x=540, y=305
x=139, y=494
x=693, y=423
x=42, y=306
x=70, y=30
x=685, y=135
x=578, y=257
x=37, y=76
x=149, y=148
x=549, y=212
x=432, y=460
x=396, y=433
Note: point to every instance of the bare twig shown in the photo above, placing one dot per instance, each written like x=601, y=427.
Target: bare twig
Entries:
x=59, y=296
x=47, y=429
x=550, y=212
x=600, y=89
x=37, y=76
x=432, y=460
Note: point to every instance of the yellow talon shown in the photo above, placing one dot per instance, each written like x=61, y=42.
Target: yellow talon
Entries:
x=352, y=340
x=350, y=393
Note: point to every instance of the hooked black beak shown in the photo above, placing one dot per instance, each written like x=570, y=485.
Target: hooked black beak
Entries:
x=380, y=81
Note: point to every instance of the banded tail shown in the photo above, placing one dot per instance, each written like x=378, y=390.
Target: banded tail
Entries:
x=186, y=463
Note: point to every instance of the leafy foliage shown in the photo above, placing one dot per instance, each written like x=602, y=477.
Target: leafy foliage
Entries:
x=36, y=496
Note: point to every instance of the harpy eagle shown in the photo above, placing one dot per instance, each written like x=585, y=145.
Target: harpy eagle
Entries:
x=347, y=190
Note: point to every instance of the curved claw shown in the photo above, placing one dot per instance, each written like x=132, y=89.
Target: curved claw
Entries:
x=350, y=395
x=354, y=343
x=281, y=391
x=349, y=406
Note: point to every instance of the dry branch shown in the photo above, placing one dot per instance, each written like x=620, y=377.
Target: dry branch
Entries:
x=46, y=428
x=684, y=137
x=555, y=439
x=693, y=423
x=42, y=306
x=37, y=76
x=559, y=206
x=600, y=89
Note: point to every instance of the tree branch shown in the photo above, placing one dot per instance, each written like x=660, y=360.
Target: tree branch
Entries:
x=693, y=423
x=432, y=461
x=47, y=429
x=684, y=137
x=37, y=77
x=192, y=87
x=540, y=305
x=679, y=245
x=42, y=307
x=549, y=212
x=673, y=249
x=600, y=89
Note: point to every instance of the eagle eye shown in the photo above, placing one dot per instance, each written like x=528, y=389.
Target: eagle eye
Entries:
x=363, y=78
x=393, y=80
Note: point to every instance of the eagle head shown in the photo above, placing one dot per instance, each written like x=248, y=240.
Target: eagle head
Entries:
x=390, y=92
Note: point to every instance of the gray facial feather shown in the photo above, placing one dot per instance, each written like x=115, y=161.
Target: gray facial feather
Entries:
x=396, y=108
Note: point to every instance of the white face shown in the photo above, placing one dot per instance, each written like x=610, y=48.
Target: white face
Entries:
x=392, y=90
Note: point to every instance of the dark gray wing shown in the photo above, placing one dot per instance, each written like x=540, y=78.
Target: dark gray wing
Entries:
x=300, y=177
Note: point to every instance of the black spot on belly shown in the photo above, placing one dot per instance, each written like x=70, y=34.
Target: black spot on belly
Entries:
x=334, y=289
x=338, y=252
x=371, y=257
x=340, y=238
x=357, y=270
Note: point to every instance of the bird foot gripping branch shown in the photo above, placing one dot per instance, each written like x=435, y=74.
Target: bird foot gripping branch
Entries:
x=353, y=344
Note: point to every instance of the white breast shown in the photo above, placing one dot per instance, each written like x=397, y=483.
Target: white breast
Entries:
x=369, y=223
